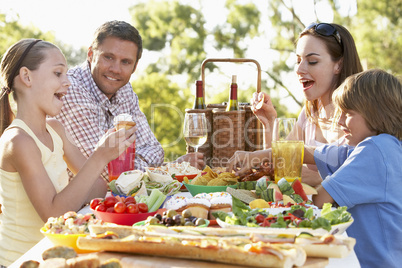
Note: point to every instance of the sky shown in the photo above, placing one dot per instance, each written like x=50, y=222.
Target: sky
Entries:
x=74, y=22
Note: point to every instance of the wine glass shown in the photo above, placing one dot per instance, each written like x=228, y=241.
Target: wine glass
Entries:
x=287, y=150
x=195, y=129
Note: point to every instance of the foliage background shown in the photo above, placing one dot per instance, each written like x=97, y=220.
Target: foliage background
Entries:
x=175, y=31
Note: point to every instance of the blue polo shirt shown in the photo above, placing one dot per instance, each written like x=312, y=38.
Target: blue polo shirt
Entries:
x=368, y=180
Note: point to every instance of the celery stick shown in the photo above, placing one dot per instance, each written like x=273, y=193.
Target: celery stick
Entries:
x=158, y=203
x=155, y=200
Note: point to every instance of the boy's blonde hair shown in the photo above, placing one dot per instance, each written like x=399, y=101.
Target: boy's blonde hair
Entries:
x=377, y=96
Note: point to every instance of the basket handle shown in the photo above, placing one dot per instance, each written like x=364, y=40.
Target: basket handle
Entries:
x=230, y=60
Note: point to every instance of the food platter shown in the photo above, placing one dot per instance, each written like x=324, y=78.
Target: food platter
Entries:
x=336, y=229
x=142, y=223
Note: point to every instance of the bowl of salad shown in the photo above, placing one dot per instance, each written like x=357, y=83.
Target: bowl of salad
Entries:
x=66, y=229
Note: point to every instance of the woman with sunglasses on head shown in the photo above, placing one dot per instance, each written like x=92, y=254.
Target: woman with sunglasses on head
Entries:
x=326, y=55
x=35, y=151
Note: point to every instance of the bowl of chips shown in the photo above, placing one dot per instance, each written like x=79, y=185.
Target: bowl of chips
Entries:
x=210, y=181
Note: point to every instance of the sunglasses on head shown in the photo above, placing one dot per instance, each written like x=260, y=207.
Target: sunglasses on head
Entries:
x=324, y=29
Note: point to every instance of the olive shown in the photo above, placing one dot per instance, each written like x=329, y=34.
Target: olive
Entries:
x=193, y=219
x=177, y=219
x=189, y=223
x=158, y=216
x=152, y=220
x=164, y=219
x=200, y=221
x=186, y=213
x=169, y=221
x=170, y=213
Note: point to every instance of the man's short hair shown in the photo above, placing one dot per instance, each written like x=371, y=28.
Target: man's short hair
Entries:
x=119, y=29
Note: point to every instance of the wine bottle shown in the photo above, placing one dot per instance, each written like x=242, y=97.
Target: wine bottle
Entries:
x=233, y=104
x=199, y=102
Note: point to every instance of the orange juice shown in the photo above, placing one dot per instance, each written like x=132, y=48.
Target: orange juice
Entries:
x=287, y=159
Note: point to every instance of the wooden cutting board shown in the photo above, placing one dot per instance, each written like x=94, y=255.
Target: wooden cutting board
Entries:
x=140, y=261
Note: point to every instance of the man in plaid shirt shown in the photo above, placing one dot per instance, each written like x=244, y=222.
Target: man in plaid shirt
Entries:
x=100, y=90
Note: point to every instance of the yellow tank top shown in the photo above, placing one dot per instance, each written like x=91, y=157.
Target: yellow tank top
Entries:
x=19, y=221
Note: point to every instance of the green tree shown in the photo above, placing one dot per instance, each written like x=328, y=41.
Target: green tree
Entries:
x=379, y=35
x=160, y=101
x=12, y=31
x=175, y=30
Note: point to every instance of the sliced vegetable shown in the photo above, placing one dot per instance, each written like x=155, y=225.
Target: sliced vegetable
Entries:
x=155, y=200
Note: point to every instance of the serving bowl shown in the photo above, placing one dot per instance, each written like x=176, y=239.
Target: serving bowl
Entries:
x=69, y=240
x=197, y=189
x=122, y=218
x=180, y=178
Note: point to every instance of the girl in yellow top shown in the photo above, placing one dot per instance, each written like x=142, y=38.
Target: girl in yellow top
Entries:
x=35, y=151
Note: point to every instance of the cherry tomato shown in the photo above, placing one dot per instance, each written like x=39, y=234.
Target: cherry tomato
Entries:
x=95, y=202
x=101, y=207
x=110, y=201
x=110, y=210
x=132, y=208
x=259, y=218
x=130, y=199
x=119, y=207
x=143, y=207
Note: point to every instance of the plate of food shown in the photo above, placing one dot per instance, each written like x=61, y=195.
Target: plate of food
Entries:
x=294, y=220
x=335, y=229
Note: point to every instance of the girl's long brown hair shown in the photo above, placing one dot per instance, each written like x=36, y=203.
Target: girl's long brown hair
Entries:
x=9, y=62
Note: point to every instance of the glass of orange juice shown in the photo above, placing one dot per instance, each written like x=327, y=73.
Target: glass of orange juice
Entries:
x=287, y=150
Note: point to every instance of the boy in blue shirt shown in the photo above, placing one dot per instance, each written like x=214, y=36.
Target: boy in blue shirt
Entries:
x=366, y=174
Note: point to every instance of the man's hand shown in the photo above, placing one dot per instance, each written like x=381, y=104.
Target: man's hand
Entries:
x=195, y=159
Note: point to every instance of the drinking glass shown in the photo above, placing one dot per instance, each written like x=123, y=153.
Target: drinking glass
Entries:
x=125, y=162
x=287, y=150
x=195, y=129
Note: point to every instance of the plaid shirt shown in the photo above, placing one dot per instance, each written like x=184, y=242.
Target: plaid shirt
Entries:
x=87, y=114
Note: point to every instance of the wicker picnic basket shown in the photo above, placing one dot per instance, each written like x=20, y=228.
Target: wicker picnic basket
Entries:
x=231, y=131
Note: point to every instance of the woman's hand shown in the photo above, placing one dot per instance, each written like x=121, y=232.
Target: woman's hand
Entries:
x=262, y=107
x=243, y=161
x=264, y=110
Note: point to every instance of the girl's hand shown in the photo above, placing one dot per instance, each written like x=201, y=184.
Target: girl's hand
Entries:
x=262, y=107
x=113, y=143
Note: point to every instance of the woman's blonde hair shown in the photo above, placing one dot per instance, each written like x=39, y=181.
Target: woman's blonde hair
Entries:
x=377, y=96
